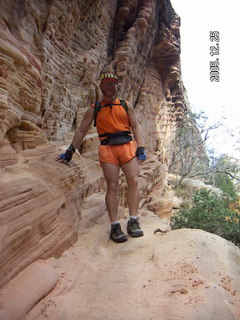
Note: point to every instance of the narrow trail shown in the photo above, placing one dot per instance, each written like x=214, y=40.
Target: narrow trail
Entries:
x=159, y=276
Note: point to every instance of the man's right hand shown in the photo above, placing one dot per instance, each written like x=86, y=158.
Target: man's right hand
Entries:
x=64, y=157
x=67, y=156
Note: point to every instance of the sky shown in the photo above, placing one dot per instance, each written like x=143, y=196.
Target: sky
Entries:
x=218, y=99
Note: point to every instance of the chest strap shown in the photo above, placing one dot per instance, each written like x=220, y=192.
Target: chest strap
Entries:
x=98, y=106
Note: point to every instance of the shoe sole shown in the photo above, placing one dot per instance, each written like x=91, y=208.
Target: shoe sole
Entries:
x=119, y=240
x=137, y=234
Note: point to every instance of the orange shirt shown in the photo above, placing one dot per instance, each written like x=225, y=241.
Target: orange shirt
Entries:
x=110, y=120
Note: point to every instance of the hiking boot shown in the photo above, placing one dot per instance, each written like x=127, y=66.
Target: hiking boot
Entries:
x=117, y=234
x=133, y=228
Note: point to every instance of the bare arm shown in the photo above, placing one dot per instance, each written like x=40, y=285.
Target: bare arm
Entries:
x=84, y=127
x=135, y=126
x=78, y=137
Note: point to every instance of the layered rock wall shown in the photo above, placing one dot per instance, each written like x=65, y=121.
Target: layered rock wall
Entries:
x=51, y=56
x=53, y=52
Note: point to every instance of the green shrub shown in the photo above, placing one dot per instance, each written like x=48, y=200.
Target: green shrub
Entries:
x=225, y=183
x=208, y=212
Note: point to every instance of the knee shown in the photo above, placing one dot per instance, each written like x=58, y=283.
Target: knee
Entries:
x=112, y=186
x=133, y=183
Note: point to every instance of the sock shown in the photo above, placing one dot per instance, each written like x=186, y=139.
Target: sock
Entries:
x=132, y=217
x=114, y=223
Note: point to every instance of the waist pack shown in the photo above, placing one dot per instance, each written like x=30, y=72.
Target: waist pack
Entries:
x=116, y=138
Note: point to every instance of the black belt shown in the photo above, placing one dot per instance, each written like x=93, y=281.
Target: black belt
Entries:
x=116, y=138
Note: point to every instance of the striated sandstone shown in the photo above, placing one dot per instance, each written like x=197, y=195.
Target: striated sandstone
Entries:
x=40, y=207
x=53, y=53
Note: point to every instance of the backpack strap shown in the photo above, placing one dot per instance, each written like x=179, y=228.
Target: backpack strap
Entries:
x=124, y=104
x=98, y=106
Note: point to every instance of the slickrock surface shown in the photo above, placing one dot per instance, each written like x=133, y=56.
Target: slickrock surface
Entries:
x=182, y=274
x=40, y=207
x=22, y=293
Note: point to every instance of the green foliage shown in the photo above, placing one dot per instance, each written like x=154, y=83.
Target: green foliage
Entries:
x=224, y=174
x=225, y=183
x=219, y=215
x=208, y=212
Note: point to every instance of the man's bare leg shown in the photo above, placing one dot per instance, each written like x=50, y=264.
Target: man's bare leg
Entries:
x=131, y=171
x=111, y=174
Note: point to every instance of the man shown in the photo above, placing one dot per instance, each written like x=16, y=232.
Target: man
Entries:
x=115, y=119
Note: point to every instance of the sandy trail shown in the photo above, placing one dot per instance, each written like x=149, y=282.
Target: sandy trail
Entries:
x=158, y=276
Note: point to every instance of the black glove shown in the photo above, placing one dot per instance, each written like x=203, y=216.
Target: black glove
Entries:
x=140, y=153
x=67, y=156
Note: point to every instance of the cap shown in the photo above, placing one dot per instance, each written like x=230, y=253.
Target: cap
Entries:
x=108, y=77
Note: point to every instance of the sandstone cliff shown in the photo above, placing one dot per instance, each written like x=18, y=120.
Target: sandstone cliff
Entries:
x=53, y=52
x=51, y=56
